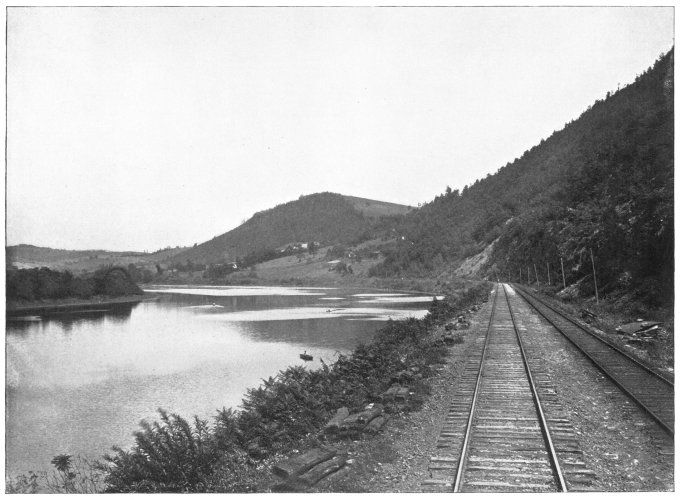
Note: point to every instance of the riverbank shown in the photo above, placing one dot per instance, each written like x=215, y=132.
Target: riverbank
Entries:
x=287, y=412
x=397, y=459
x=70, y=305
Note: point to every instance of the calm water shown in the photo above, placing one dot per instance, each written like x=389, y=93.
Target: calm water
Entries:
x=80, y=383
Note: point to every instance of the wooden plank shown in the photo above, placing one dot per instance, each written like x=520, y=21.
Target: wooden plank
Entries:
x=318, y=472
x=302, y=463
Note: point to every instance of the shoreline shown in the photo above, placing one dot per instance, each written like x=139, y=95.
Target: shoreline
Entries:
x=69, y=304
x=410, y=285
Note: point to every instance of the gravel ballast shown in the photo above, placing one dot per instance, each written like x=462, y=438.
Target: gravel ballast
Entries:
x=621, y=444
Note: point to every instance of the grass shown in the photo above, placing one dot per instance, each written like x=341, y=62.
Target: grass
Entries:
x=70, y=475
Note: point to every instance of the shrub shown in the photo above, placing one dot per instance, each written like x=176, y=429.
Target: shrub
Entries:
x=283, y=412
x=24, y=483
x=170, y=456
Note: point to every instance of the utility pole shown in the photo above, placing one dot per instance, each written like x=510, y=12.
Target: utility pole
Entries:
x=538, y=285
x=564, y=282
x=528, y=276
x=548, y=264
x=592, y=259
x=520, y=275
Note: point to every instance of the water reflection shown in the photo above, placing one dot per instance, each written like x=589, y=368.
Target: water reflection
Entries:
x=80, y=383
x=235, y=302
x=312, y=333
x=67, y=320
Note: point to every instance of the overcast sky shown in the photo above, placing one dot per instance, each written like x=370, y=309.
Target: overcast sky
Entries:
x=140, y=128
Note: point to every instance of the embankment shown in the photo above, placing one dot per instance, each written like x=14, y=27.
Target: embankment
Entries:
x=288, y=412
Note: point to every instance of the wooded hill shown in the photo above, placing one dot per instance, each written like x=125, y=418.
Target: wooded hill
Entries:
x=327, y=218
x=604, y=182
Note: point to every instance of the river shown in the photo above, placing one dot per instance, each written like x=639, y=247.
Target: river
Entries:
x=80, y=383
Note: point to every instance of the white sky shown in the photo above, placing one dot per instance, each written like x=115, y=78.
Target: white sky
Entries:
x=139, y=128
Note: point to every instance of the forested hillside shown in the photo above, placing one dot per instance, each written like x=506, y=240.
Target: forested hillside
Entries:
x=327, y=218
x=604, y=182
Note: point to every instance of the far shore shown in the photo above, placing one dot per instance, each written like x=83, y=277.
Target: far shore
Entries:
x=46, y=306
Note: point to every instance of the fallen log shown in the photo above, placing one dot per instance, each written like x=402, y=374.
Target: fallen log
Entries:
x=302, y=463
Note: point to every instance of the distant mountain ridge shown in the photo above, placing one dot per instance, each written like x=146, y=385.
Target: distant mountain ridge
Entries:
x=327, y=218
x=30, y=256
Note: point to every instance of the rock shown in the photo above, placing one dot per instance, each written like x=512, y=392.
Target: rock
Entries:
x=255, y=452
x=376, y=424
x=402, y=376
x=450, y=338
x=389, y=394
x=402, y=394
x=334, y=423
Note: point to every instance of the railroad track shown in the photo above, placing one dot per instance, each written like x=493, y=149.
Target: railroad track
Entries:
x=649, y=389
x=505, y=430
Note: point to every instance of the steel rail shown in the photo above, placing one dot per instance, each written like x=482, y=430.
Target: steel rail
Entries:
x=589, y=332
x=545, y=430
x=468, y=429
x=599, y=365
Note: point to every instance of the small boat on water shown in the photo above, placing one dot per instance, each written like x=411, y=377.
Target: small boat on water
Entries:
x=306, y=357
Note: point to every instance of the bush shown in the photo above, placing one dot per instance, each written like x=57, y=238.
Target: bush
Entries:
x=170, y=456
x=283, y=412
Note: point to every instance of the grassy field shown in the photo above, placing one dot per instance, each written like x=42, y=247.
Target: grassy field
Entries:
x=311, y=270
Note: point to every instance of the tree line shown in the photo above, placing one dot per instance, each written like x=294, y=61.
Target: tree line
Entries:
x=44, y=283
